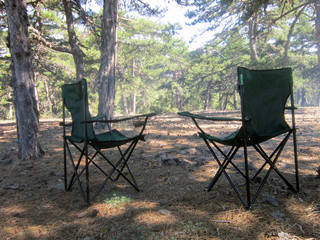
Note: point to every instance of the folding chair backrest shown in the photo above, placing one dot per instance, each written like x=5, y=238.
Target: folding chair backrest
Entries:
x=264, y=94
x=75, y=99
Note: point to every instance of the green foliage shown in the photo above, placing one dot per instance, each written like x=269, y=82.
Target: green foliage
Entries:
x=116, y=200
x=192, y=228
x=151, y=63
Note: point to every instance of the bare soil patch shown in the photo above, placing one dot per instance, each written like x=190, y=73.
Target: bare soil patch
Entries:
x=173, y=167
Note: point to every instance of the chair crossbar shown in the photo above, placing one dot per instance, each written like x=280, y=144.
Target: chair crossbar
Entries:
x=222, y=169
x=75, y=174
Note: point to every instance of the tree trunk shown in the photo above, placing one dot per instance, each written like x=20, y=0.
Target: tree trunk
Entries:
x=235, y=93
x=133, y=98
x=23, y=81
x=253, y=35
x=178, y=99
x=225, y=101
x=286, y=48
x=107, y=71
x=46, y=87
x=303, y=97
x=125, y=101
x=317, y=25
x=207, y=96
x=73, y=41
x=50, y=97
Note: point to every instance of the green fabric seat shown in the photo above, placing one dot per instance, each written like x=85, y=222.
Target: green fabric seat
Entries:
x=113, y=139
x=84, y=139
x=263, y=95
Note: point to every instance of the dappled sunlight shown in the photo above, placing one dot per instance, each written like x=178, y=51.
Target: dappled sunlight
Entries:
x=306, y=216
x=204, y=174
x=18, y=227
x=113, y=209
x=12, y=210
x=172, y=168
x=153, y=218
x=14, y=232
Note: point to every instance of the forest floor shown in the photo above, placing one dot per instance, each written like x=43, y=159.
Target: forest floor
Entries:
x=172, y=167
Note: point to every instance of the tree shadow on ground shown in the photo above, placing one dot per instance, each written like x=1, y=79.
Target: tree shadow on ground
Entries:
x=173, y=168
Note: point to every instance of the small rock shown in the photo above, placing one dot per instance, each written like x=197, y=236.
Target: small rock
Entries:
x=270, y=199
x=58, y=186
x=278, y=214
x=283, y=165
x=284, y=236
x=42, y=181
x=12, y=187
x=171, y=161
x=164, y=212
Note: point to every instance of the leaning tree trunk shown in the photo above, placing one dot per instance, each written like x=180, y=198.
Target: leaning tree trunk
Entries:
x=107, y=71
x=77, y=53
x=287, y=45
x=23, y=81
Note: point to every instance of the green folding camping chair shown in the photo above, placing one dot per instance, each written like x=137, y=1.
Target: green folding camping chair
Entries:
x=264, y=95
x=89, y=145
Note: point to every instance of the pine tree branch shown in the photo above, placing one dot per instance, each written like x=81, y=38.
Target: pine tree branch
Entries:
x=37, y=36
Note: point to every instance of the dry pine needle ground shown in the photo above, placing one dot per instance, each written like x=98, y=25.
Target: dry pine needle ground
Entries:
x=173, y=168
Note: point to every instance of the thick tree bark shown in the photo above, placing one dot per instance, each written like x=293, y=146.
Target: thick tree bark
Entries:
x=73, y=41
x=107, y=71
x=317, y=25
x=24, y=94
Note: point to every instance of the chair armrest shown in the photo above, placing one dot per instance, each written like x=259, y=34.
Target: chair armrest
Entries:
x=121, y=119
x=290, y=108
x=188, y=114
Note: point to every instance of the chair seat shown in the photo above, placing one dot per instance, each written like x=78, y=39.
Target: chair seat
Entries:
x=113, y=139
x=235, y=138
x=109, y=139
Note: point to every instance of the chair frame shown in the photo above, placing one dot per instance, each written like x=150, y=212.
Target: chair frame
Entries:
x=116, y=167
x=245, y=142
